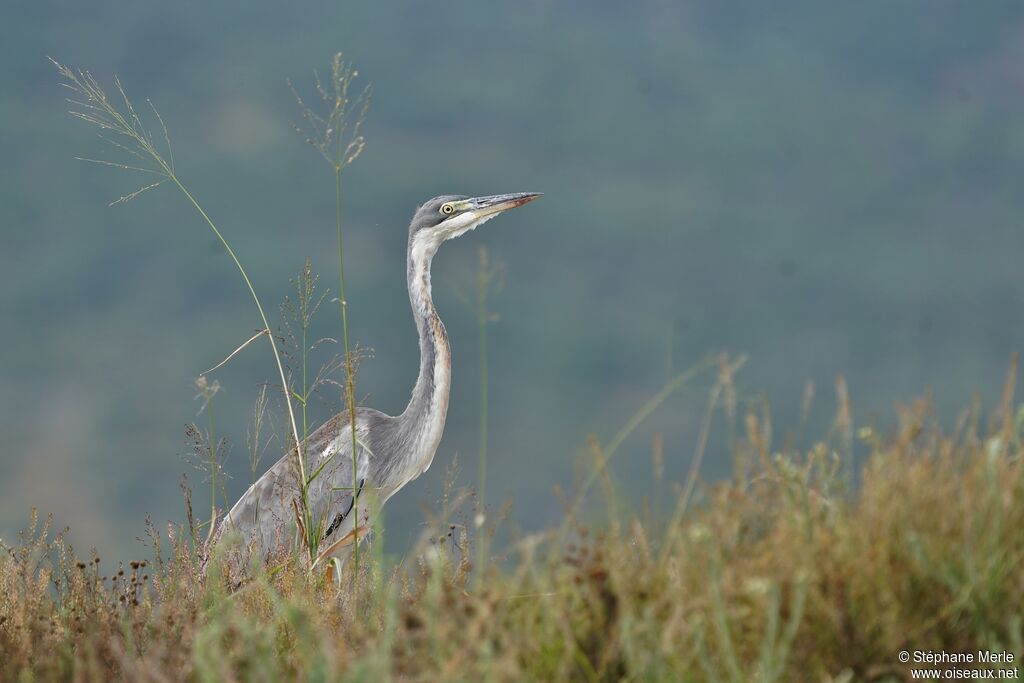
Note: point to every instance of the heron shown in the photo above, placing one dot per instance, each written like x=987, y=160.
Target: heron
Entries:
x=391, y=451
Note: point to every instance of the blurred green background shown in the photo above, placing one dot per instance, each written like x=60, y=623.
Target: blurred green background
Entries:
x=831, y=187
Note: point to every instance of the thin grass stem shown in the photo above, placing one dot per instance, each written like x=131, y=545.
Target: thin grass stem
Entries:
x=96, y=108
x=350, y=382
x=259, y=307
x=484, y=277
x=635, y=421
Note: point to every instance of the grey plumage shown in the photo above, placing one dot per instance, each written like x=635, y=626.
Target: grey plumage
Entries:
x=392, y=451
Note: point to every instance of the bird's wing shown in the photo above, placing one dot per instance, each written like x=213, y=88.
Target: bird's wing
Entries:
x=332, y=488
x=265, y=514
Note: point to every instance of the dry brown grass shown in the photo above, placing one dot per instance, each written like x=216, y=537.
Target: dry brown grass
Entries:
x=776, y=575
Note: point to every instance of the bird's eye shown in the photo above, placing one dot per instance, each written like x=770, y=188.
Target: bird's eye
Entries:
x=447, y=209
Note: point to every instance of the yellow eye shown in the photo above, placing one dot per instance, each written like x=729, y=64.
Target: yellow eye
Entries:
x=447, y=209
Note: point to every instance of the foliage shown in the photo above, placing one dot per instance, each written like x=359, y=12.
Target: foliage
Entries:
x=777, y=575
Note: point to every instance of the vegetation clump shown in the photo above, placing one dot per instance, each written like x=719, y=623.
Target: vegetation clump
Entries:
x=780, y=574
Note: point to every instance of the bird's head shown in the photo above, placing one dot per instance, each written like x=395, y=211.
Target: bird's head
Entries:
x=449, y=216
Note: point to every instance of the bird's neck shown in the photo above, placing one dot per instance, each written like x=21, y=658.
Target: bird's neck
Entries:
x=424, y=417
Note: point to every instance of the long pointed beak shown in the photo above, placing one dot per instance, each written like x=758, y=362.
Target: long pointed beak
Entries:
x=486, y=206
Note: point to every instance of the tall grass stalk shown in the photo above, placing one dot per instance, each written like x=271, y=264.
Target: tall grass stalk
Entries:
x=254, y=434
x=350, y=378
x=207, y=391
x=488, y=275
x=603, y=454
x=131, y=137
x=338, y=139
x=302, y=312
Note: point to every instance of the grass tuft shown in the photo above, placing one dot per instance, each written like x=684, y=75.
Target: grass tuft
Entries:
x=336, y=135
x=775, y=575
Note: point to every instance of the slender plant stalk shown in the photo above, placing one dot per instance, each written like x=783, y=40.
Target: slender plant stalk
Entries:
x=310, y=548
x=95, y=108
x=207, y=392
x=212, y=438
x=350, y=382
x=263, y=317
x=336, y=136
x=484, y=276
x=605, y=453
x=304, y=447
x=304, y=291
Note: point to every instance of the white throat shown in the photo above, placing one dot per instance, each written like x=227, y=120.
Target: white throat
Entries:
x=460, y=225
